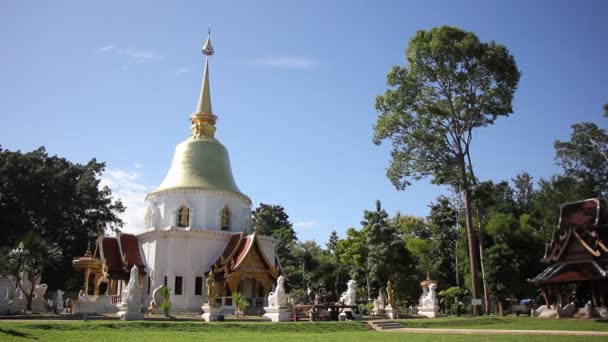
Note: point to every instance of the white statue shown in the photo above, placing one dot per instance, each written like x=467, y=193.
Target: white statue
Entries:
x=428, y=301
x=40, y=291
x=349, y=297
x=278, y=298
x=425, y=291
x=26, y=284
x=132, y=294
x=58, y=299
x=381, y=301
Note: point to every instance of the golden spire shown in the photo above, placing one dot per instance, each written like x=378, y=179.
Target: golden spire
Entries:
x=203, y=120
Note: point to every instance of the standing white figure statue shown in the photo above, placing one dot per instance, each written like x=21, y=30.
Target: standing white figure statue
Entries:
x=278, y=298
x=349, y=297
x=133, y=288
x=130, y=303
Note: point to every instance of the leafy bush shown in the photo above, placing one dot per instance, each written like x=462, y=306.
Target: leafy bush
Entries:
x=166, y=304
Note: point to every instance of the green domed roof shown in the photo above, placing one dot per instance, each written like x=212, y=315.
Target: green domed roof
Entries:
x=200, y=164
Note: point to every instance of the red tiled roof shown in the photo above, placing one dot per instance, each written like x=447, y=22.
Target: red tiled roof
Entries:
x=130, y=248
x=242, y=253
x=111, y=253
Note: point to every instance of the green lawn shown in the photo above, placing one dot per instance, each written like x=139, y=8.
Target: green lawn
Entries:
x=230, y=331
x=508, y=322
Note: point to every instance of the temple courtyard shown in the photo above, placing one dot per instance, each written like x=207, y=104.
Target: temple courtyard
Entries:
x=184, y=328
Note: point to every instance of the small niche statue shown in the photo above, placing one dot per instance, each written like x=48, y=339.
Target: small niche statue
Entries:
x=278, y=297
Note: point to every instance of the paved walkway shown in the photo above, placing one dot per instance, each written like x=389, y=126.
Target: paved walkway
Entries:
x=491, y=331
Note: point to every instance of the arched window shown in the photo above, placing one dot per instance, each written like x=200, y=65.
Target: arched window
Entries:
x=225, y=218
x=183, y=216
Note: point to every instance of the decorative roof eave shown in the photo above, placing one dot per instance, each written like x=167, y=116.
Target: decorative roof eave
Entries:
x=158, y=192
x=548, y=275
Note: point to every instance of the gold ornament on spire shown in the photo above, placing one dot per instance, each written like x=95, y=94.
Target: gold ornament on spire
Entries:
x=203, y=120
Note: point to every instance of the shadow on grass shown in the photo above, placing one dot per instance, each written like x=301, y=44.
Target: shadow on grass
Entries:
x=17, y=334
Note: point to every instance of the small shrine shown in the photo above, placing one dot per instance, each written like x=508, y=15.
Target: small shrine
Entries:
x=427, y=305
x=244, y=267
x=110, y=264
x=577, y=255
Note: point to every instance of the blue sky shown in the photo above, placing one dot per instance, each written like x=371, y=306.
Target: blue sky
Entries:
x=293, y=84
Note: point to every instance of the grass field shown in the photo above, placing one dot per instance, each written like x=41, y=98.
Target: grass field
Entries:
x=232, y=331
x=508, y=322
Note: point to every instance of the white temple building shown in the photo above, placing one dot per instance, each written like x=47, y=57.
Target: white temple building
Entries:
x=197, y=221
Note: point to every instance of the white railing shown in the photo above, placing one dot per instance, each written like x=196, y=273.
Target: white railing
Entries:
x=115, y=299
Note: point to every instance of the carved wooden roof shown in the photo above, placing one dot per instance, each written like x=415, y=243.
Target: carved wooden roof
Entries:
x=578, y=250
x=582, y=232
x=245, y=252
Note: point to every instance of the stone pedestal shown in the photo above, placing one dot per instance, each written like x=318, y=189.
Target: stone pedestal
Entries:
x=378, y=312
x=3, y=306
x=85, y=306
x=104, y=305
x=277, y=314
x=390, y=313
x=130, y=312
x=210, y=312
x=38, y=305
x=431, y=312
x=17, y=306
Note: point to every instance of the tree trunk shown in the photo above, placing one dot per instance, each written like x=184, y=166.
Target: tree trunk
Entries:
x=470, y=238
x=486, y=293
x=369, y=290
x=501, y=311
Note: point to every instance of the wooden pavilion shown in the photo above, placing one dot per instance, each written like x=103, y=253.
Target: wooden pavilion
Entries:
x=577, y=255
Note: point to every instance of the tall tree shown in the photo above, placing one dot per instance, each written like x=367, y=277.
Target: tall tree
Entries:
x=57, y=199
x=585, y=156
x=272, y=220
x=387, y=257
x=451, y=85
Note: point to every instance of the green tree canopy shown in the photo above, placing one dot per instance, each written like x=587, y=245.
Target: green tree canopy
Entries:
x=58, y=200
x=272, y=220
x=585, y=156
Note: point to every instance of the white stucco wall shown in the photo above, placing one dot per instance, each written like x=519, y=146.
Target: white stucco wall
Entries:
x=205, y=209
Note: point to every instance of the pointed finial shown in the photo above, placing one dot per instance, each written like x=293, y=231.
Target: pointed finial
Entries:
x=203, y=120
x=207, y=48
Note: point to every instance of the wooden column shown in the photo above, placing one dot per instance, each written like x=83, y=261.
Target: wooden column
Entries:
x=87, y=274
x=545, y=292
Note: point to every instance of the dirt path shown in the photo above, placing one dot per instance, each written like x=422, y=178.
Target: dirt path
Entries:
x=488, y=331
x=499, y=332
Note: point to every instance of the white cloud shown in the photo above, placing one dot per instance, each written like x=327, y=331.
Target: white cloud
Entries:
x=130, y=55
x=182, y=71
x=285, y=62
x=304, y=224
x=131, y=190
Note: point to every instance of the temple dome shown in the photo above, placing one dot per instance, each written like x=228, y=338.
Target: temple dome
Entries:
x=200, y=164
